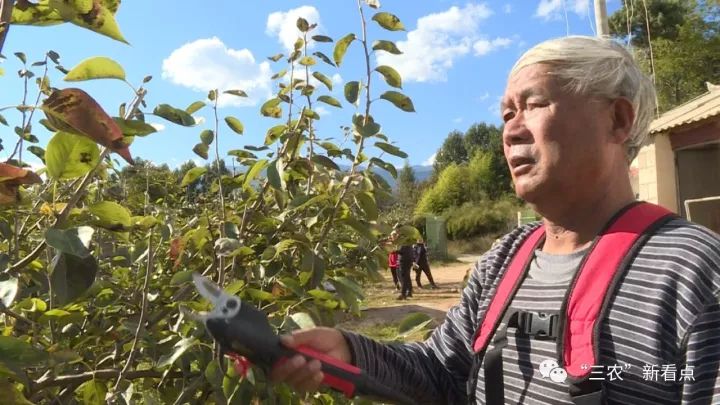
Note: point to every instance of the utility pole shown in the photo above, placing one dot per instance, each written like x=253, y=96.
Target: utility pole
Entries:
x=601, y=20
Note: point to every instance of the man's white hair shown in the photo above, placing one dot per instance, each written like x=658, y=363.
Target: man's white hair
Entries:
x=599, y=67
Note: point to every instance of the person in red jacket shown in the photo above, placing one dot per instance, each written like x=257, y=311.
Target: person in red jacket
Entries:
x=393, y=263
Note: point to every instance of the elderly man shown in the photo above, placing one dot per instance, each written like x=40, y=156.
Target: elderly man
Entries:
x=642, y=318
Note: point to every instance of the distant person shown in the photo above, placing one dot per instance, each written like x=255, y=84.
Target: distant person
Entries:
x=407, y=258
x=393, y=263
x=422, y=264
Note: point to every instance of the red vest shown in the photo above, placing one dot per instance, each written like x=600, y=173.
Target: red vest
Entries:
x=590, y=292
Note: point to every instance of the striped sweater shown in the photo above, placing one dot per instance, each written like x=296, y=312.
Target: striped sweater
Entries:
x=665, y=312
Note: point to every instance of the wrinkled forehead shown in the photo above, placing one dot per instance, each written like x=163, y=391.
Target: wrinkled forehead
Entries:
x=536, y=79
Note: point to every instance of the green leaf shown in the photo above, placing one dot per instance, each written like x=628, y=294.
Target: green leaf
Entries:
x=321, y=38
x=279, y=74
x=17, y=353
x=98, y=67
x=3, y=121
x=274, y=177
x=181, y=277
x=22, y=57
x=274, y=133
x=400, y=100
x=330, y=101
x=134, y=127
x=341, y=48
x=322, y=78
x=413, y=320
x=74, y=241
x=360, y=227
x=303, y=320
x=37, y=151
x=70, y=156
x=194, y=107
x=93, y=392
x=386, y=46
x=325, y=161
x=276, y=57
x=392, y=77
x=368, y=205
x=385, y=166
x=12, y=394
x=192, y=175
x=71, y=276
x=241, y=154
x=388, y=21
x=307, y=61
x=202, y=150
x=365, y=129
x=391, y=149
x=180, y=348
x=235, y=125
x=323, y=58
x=271, y=108
x=112, y=216
x=259, y=295
x=315, y=265
x=352, y=89
x=302, y=24
x=254, y=172
x=174, y=115
x=8, y=291
x=238, y=93
x=207, y=137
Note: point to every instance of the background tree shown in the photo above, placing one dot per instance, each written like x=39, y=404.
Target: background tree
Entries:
x=453, y=150
x=685, y=39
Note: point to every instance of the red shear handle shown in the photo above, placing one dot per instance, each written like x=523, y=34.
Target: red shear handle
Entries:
x=336, y=373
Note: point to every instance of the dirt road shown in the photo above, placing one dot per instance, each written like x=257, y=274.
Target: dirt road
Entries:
x=383, y=308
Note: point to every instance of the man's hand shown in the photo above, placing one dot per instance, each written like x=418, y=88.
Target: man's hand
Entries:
x=305, y=376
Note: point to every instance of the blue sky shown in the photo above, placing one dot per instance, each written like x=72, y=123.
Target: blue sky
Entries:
x=456, y=58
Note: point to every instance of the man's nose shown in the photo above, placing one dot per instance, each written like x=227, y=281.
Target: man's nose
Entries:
x=515, y=132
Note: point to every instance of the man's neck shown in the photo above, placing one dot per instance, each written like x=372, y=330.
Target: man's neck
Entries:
x=576, y=225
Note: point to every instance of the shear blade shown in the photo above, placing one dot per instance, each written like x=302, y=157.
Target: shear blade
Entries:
x=207, y=288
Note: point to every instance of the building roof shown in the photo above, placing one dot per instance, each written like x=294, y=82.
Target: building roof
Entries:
x=698, y=109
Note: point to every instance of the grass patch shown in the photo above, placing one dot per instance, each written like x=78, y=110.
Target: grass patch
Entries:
x=473, y=246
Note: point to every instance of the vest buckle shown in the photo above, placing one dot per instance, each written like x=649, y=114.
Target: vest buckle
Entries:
x=539, y=324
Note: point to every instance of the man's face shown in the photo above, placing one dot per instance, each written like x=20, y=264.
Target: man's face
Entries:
x=556, y=144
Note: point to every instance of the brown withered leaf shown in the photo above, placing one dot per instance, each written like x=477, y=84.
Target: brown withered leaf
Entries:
x=11, y=177
x=73, y=110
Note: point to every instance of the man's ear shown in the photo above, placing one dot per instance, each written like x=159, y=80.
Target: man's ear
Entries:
x=623, y=117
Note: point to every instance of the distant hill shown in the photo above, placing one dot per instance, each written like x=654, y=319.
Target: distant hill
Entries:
x=422, y=173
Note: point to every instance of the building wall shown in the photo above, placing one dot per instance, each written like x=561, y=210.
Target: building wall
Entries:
x=656, y=173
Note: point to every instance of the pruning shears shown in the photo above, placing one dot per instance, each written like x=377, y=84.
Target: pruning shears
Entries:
x=241, y=329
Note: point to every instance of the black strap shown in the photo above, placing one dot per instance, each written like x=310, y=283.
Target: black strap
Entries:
x=535, y=324
x=586, y=392
x=593, y=398
x=494, y=382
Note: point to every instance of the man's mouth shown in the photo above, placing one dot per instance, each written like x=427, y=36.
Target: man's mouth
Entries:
x=520, y=165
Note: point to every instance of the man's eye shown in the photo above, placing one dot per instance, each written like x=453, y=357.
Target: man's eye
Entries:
x=508, y=115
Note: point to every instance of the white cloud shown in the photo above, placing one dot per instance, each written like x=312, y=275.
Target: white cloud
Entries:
x=430, y=161
x=457, y=121
x=494, y=108
x=553, y=9
x=199, y=119
x=508, y=8
x=484, y=46
x=439, y=39
x=207, y=64
x=322, y=111
x=484, y=96
x=284, y=24
x=158, y=126
x=337, y=79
